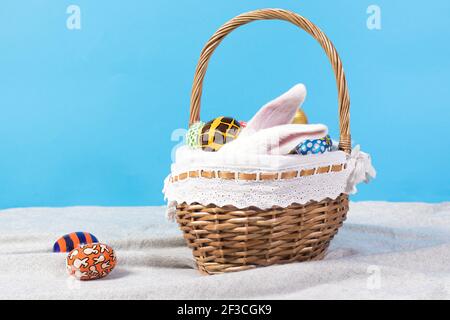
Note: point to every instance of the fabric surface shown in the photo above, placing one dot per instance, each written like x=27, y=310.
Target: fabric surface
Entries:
x=384, y=250
x=191, y=159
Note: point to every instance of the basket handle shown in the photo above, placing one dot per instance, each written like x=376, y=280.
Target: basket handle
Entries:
x=303, y=23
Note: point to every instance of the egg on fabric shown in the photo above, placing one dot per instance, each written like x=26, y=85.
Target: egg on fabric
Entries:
x=72, y=240
x=193, y=135
x=315, y=146
x=300, y=117
x=91, y=261
x=328, y=142
x=218, y=132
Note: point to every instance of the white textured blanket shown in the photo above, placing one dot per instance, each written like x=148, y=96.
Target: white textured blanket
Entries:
x=384, y=250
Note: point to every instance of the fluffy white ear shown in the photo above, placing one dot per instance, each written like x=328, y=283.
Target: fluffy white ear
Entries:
x=277, y=112
x=279, y=140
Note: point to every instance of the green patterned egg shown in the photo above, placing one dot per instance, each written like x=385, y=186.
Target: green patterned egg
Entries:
x=193, y=135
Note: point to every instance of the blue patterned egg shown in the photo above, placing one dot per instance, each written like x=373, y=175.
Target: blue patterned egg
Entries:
x=316, y=146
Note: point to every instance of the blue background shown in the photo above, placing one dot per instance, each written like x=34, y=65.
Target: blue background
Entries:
x=87, y=115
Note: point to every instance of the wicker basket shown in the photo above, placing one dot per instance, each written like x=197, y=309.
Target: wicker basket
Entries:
x=225, y=239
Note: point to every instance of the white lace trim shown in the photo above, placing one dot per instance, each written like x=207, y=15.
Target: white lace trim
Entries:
x=266, y=194
x=263, y=194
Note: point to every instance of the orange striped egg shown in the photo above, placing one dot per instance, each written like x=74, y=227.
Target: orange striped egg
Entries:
x=91, y=261
x=72, y=240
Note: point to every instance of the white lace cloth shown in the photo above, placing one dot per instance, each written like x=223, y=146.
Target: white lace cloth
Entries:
x=267, y=193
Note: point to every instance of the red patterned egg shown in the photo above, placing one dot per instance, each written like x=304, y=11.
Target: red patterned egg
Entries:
x=91, y=261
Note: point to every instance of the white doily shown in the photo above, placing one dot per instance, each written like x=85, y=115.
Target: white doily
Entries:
x=263, y=194
x=268, y=193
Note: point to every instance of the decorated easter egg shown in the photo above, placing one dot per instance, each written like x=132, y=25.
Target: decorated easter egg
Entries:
x=328, y=142
x=193, y=135
x=91, y=261
x=72, y=240
x=243, y=124
x=315, y=146
x=300, y=117
x=219, y=131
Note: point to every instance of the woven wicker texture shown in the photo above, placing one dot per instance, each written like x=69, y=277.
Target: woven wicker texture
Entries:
x=225, y=239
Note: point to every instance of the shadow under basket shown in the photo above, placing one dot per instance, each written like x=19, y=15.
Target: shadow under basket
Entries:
x=227, y=239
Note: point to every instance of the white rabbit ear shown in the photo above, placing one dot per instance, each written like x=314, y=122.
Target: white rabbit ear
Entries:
x=279, y=140
x=277, y=112
x=292, y=134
